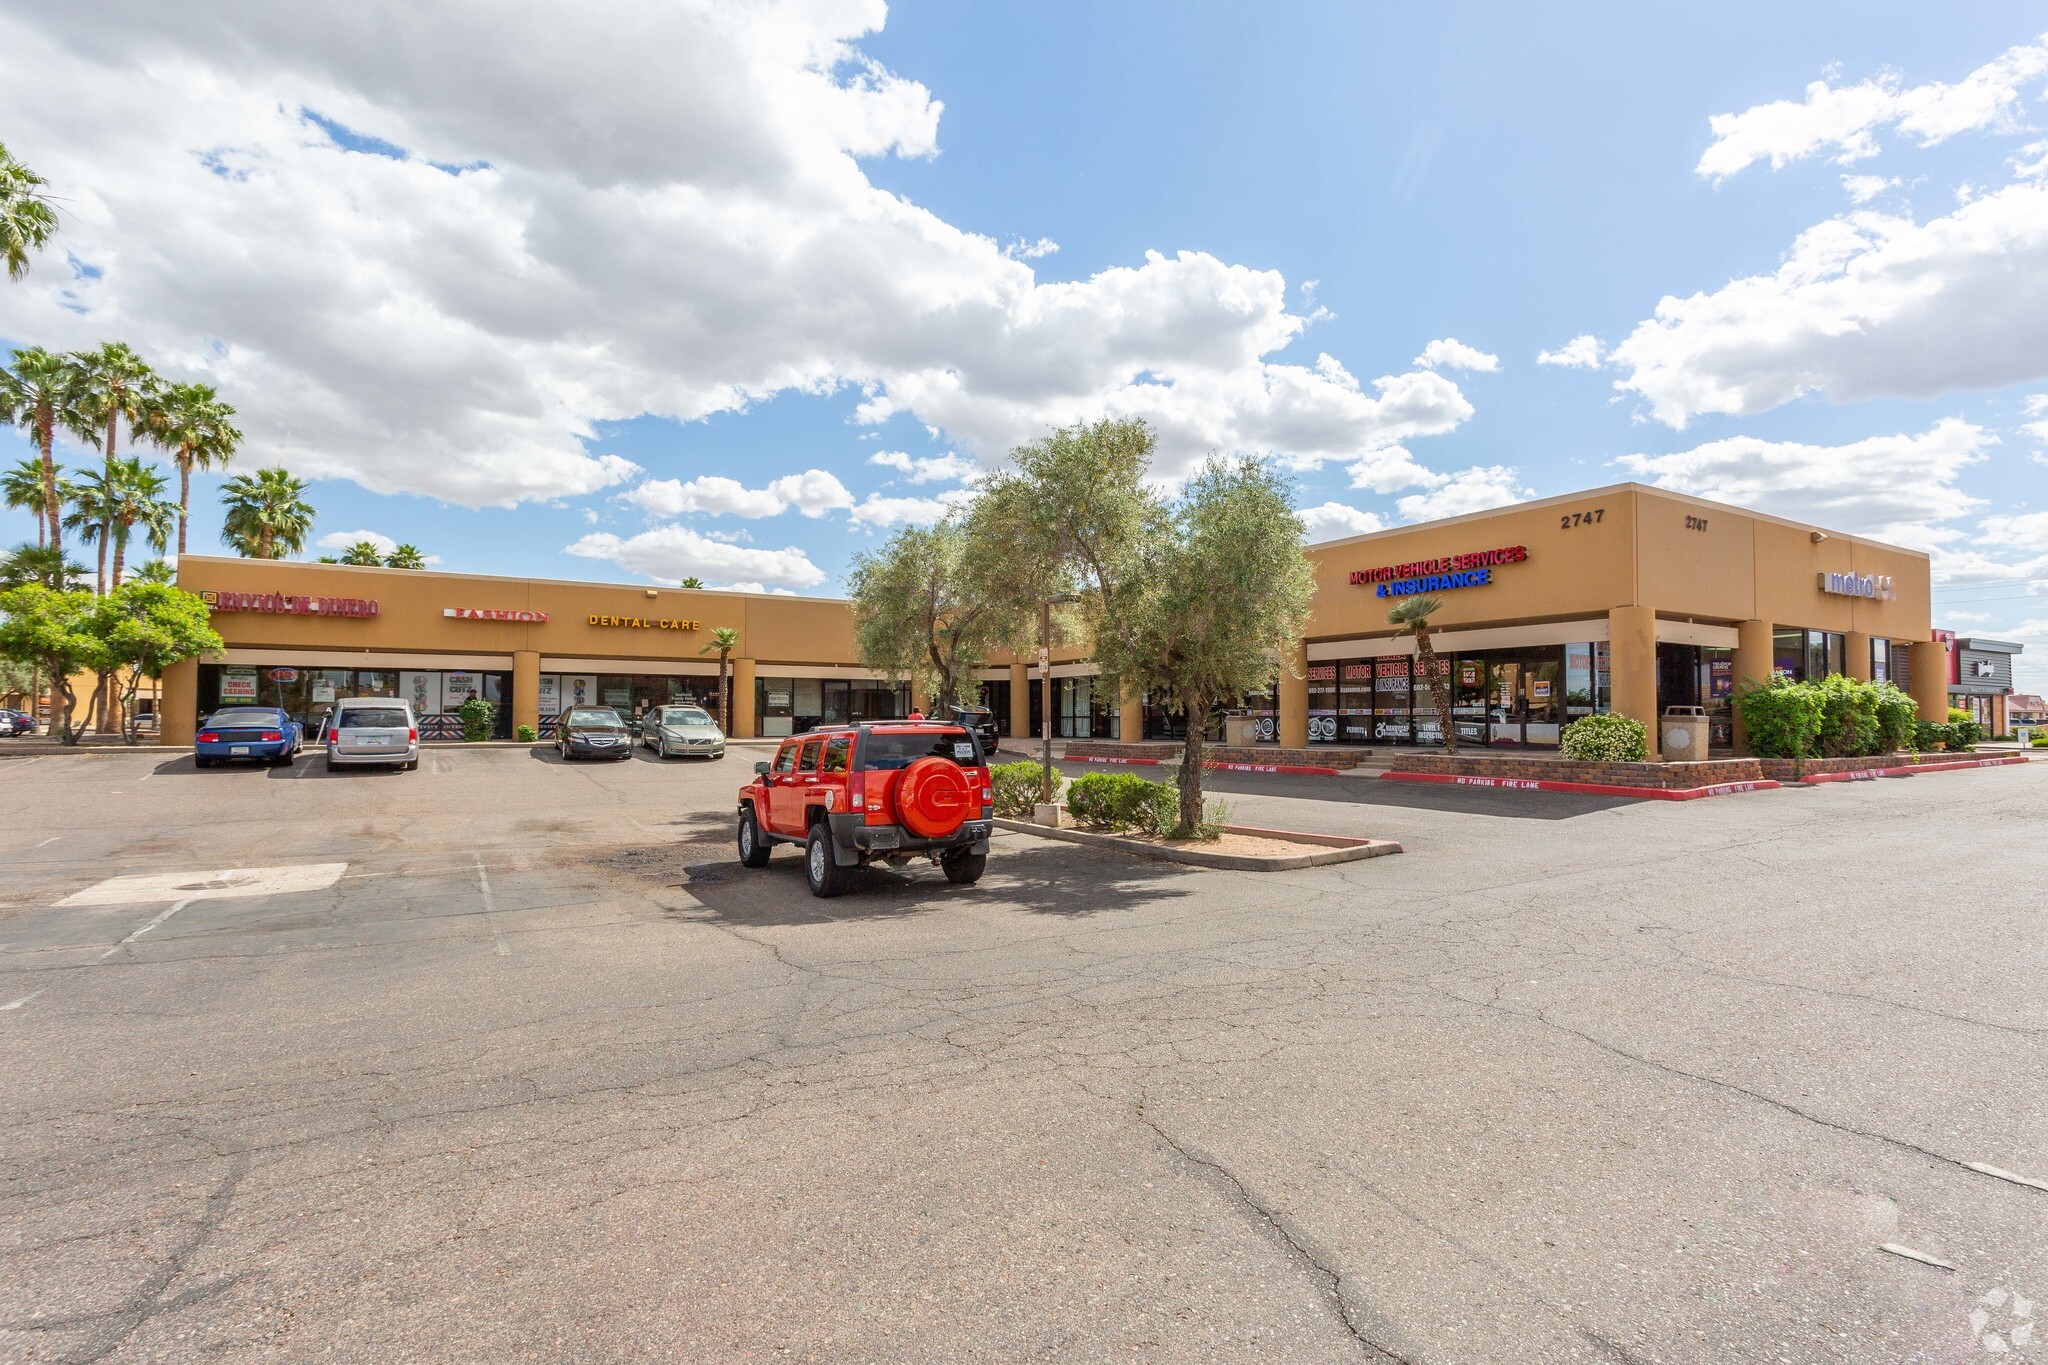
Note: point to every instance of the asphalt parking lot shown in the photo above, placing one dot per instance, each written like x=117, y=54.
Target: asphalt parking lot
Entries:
x=512, y=1061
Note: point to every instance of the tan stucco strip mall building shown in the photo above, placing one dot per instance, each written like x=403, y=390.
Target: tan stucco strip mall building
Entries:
x=1625, y=598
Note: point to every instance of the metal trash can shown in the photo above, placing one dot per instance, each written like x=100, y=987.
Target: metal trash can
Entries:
x=1239, y=728
x=1684, y=736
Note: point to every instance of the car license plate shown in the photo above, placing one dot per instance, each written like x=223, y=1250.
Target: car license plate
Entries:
x=374, y=739
x=239, y=749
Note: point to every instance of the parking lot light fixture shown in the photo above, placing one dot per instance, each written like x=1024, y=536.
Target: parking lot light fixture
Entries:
x=1045, y=684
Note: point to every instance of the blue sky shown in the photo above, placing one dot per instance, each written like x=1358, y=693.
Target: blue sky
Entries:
x=714, y=262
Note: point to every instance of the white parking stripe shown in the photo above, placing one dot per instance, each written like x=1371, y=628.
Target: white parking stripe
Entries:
x=483, y=881
x=17, y=1004
x=155, y=922
x=51, y=840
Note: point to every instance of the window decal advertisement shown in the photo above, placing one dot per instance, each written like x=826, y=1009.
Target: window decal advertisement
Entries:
x=579, y=689
x=458, y=687
x=550, y=694
x=238, y=684
x=423, y=690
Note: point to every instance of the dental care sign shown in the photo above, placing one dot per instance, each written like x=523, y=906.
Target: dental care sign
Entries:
x=1471, y=570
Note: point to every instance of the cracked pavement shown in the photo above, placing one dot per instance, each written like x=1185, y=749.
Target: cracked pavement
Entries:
x=546, y=1075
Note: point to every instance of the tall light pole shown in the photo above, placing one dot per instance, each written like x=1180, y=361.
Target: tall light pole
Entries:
x=1045, y=685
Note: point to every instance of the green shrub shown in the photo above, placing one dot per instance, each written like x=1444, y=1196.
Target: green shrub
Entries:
x=477, y=715
x=1124, y=802
x=1967, y=731
x=1017, y=786
x=1848, y=716
x=1781, y=717
x=2039, y=741
x=1605, y=738
x=1898, y=720
x=1927, y=736
x=526, y=734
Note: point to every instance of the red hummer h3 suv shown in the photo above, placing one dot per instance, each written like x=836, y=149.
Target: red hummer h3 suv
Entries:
x=887, y=790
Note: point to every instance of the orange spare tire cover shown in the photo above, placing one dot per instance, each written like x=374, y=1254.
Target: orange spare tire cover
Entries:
x=932, y=797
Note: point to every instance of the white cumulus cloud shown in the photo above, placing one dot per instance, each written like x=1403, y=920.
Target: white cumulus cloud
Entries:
x=342, y=540
x=813, y=493
x=431, y=248
x=1467, y=490
x=1864, y=188
x=1844, y=120
x=1865, y=306
x=1449, y=353
x=878, y=511
x=670, y=554
x=1332, y=520
x=1889, y=487
x=1580, y=353
x=947, y=468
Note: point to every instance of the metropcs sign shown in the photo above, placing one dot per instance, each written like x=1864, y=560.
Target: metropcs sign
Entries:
x=1471, y=570
x=494, y=614
x=1876, y=586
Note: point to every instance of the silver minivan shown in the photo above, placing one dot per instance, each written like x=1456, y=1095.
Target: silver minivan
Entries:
x=372, y=730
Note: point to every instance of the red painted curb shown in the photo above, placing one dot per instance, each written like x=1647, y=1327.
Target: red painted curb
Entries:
x=1091, y=758
x=1913, y=769
x=1588, y=788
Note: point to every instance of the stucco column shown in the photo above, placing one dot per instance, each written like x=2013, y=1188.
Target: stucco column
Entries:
x=1294, y=699
x=744, y=725
x=1856, y=655
x=1130, y=715
x=525, y=689
x=1928, y=663
x=177, y=707
x=1753, y=664
x=1632, y=654
x=1020, y=702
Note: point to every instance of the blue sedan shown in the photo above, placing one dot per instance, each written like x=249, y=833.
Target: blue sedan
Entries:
x=261, y=734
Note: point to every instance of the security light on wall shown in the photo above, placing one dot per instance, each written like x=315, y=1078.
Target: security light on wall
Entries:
x=650, y=592
x=1819, y=536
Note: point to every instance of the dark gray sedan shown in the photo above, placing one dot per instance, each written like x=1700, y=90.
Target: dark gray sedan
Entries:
x=593, y=732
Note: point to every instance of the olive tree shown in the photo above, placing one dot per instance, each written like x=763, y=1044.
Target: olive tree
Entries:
x=1193, y=598
x=932, y=603
x=1218, y=601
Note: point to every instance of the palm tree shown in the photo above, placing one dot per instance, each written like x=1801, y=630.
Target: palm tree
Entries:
x=26, y=219
x=135, y=501
x=38, y=392
x=22, y=486
x=724, y=640
x=111, y=383
x=156, y=571
x=88, y=517
x=41, y=564
x=364, y=554
x=1413, y=614
x=268, y=515
x=198, y=430
x=691, y=582
x=406, y=556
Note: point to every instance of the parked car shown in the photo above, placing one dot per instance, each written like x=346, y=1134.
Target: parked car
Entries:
x=366, y=730
x=261, y=734
x=878, y=790
x=982, y=721
x=593, y=732
x=17, y=723
x=672, y=730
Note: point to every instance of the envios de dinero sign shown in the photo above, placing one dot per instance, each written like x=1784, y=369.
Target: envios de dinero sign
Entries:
x=1473, y=569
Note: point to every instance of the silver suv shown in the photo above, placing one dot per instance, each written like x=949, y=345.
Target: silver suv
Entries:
x=372, y=730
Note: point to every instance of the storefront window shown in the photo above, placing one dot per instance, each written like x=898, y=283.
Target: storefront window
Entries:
x=1392, y=721
x=774, y=706
x=1322, y=703
x=1880, y=660
x=308, y=694
x=996, y=697
x=1354, y=703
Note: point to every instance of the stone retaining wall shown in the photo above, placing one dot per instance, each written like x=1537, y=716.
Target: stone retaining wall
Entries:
x=1317, y=757
x=1792, y=769
x=1664, y=776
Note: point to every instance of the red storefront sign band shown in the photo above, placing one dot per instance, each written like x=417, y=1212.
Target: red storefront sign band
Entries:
x=289, y=604
x=1477, y=559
